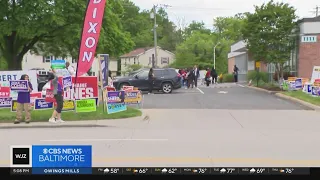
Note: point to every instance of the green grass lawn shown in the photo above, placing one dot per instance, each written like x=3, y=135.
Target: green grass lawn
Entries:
x=303, y=96
x=43, y=115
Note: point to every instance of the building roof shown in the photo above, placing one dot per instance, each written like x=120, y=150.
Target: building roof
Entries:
x=136, y=52
x=140, y=51
x=314, y=19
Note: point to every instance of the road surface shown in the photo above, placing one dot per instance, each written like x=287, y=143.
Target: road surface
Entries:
x=242, y=128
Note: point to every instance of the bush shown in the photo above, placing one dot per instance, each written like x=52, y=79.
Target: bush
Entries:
x=254, y=75
x=227, y=78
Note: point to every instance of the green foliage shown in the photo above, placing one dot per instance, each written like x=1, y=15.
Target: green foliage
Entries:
x=227, y=78
x=268, y=33
x=255, y=75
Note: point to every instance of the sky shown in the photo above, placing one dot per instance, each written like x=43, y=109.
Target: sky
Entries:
x=183, y=12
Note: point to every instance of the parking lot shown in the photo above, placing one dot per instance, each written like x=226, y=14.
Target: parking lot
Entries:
x=221, y=96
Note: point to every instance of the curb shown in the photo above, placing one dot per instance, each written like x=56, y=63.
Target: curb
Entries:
x=304, y=103
x=71, y=124
x=263, y=90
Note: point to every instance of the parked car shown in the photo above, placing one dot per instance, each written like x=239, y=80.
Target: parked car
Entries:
x=42, y=77
x=166, y=80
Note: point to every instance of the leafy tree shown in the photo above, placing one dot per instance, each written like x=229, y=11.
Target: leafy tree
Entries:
x=195, y=26
x=268, y=33
x=54, y=27
x=229, y=28
x=113, y=39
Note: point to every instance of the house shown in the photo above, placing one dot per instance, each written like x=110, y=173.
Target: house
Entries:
x=31, y=60
x=305, y=55
x=144, y=56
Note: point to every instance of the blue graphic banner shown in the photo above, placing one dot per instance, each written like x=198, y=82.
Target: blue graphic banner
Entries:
x=19, y=85
x=104, y=60
x=41, y=104
x=114, y=97
x=116, y=107
x=61, y=156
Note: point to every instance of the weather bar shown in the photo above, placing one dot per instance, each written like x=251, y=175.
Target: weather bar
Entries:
x=167, y=171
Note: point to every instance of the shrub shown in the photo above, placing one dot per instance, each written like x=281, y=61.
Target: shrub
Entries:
x=227, y=78
x=254, y=75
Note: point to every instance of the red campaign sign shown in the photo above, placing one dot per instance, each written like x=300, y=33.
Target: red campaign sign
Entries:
x=4, y=91
x=90, y=35
x=86, y=87
x=49, y=96
x=35, y=95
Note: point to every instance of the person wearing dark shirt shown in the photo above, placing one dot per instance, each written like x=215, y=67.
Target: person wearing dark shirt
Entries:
x=196, y=75
x=23, y=102
x=214, y=75
x=150, y=80
x=235, y=73
x=57, y=90
x=191, y=77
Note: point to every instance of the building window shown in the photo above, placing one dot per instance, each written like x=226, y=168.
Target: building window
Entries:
x=134, y=60
x=164, y=60
x=47, y=59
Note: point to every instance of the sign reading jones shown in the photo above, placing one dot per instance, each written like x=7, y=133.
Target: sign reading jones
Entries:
x=61, y=156
x=86, y=87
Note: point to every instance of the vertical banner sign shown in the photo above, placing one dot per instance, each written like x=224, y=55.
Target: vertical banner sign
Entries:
x=61, y=159
x=104, y=60
x=90, y=35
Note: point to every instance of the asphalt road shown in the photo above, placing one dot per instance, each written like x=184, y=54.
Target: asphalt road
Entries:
x=193, y=128
x=224, y=96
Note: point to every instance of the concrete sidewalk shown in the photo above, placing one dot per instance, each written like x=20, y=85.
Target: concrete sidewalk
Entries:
x=71, y=124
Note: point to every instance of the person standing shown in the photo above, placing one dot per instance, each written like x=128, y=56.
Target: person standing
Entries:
x=196, y=75
x=214, y=76
x=23, y=102
x=57, y=91
x=150, y=80
x=70, y=69
x=191, y=78
x=235, y=73
x=207, y=77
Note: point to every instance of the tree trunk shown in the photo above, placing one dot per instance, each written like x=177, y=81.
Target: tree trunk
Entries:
x=14, y=62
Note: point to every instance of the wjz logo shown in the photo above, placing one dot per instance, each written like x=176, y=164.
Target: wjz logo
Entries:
x=20, y=156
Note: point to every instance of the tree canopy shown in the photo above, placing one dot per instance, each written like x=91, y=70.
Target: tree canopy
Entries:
x=269, y=33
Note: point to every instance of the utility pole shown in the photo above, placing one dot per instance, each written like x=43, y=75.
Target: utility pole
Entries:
x=153, y=16
x=214, y=55
x=155, y=36
x=317, y=11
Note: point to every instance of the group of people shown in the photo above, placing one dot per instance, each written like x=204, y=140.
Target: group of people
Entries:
x=189, y=77
x=24, y=101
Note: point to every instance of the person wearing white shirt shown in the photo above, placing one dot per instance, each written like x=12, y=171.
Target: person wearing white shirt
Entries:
x=70, y=69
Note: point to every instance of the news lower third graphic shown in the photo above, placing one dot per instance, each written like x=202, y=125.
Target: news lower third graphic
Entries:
x=53, y=159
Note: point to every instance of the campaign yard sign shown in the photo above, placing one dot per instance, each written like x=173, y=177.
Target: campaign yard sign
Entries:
x=67, y=82
x=68, y=105
x=19, y=85
x=115, y=97
x=86, y=88
x=86, y=105
x=7, y=76
x=58, y=64
x=5, y=102
x=34, y=96
x=116, y=107
x=4, y=91
x=133, y=97
x=14, y=105
x=127, y=88
x=41, y=104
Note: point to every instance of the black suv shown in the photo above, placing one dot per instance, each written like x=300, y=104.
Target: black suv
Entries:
x=165, y=80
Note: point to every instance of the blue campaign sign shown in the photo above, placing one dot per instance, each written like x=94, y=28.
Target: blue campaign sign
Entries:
x=66, y=156
x=67, y=82
x=298, y=83
x=116, y=107
x=58, y=64
x=41, y=104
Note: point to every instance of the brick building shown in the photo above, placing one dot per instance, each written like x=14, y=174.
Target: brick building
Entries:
x=303, y=57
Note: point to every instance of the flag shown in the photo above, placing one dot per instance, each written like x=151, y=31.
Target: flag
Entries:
x=90, y=35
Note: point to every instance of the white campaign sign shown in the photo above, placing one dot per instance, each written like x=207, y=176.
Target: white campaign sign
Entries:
x=7, y=76
x=315, y=73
